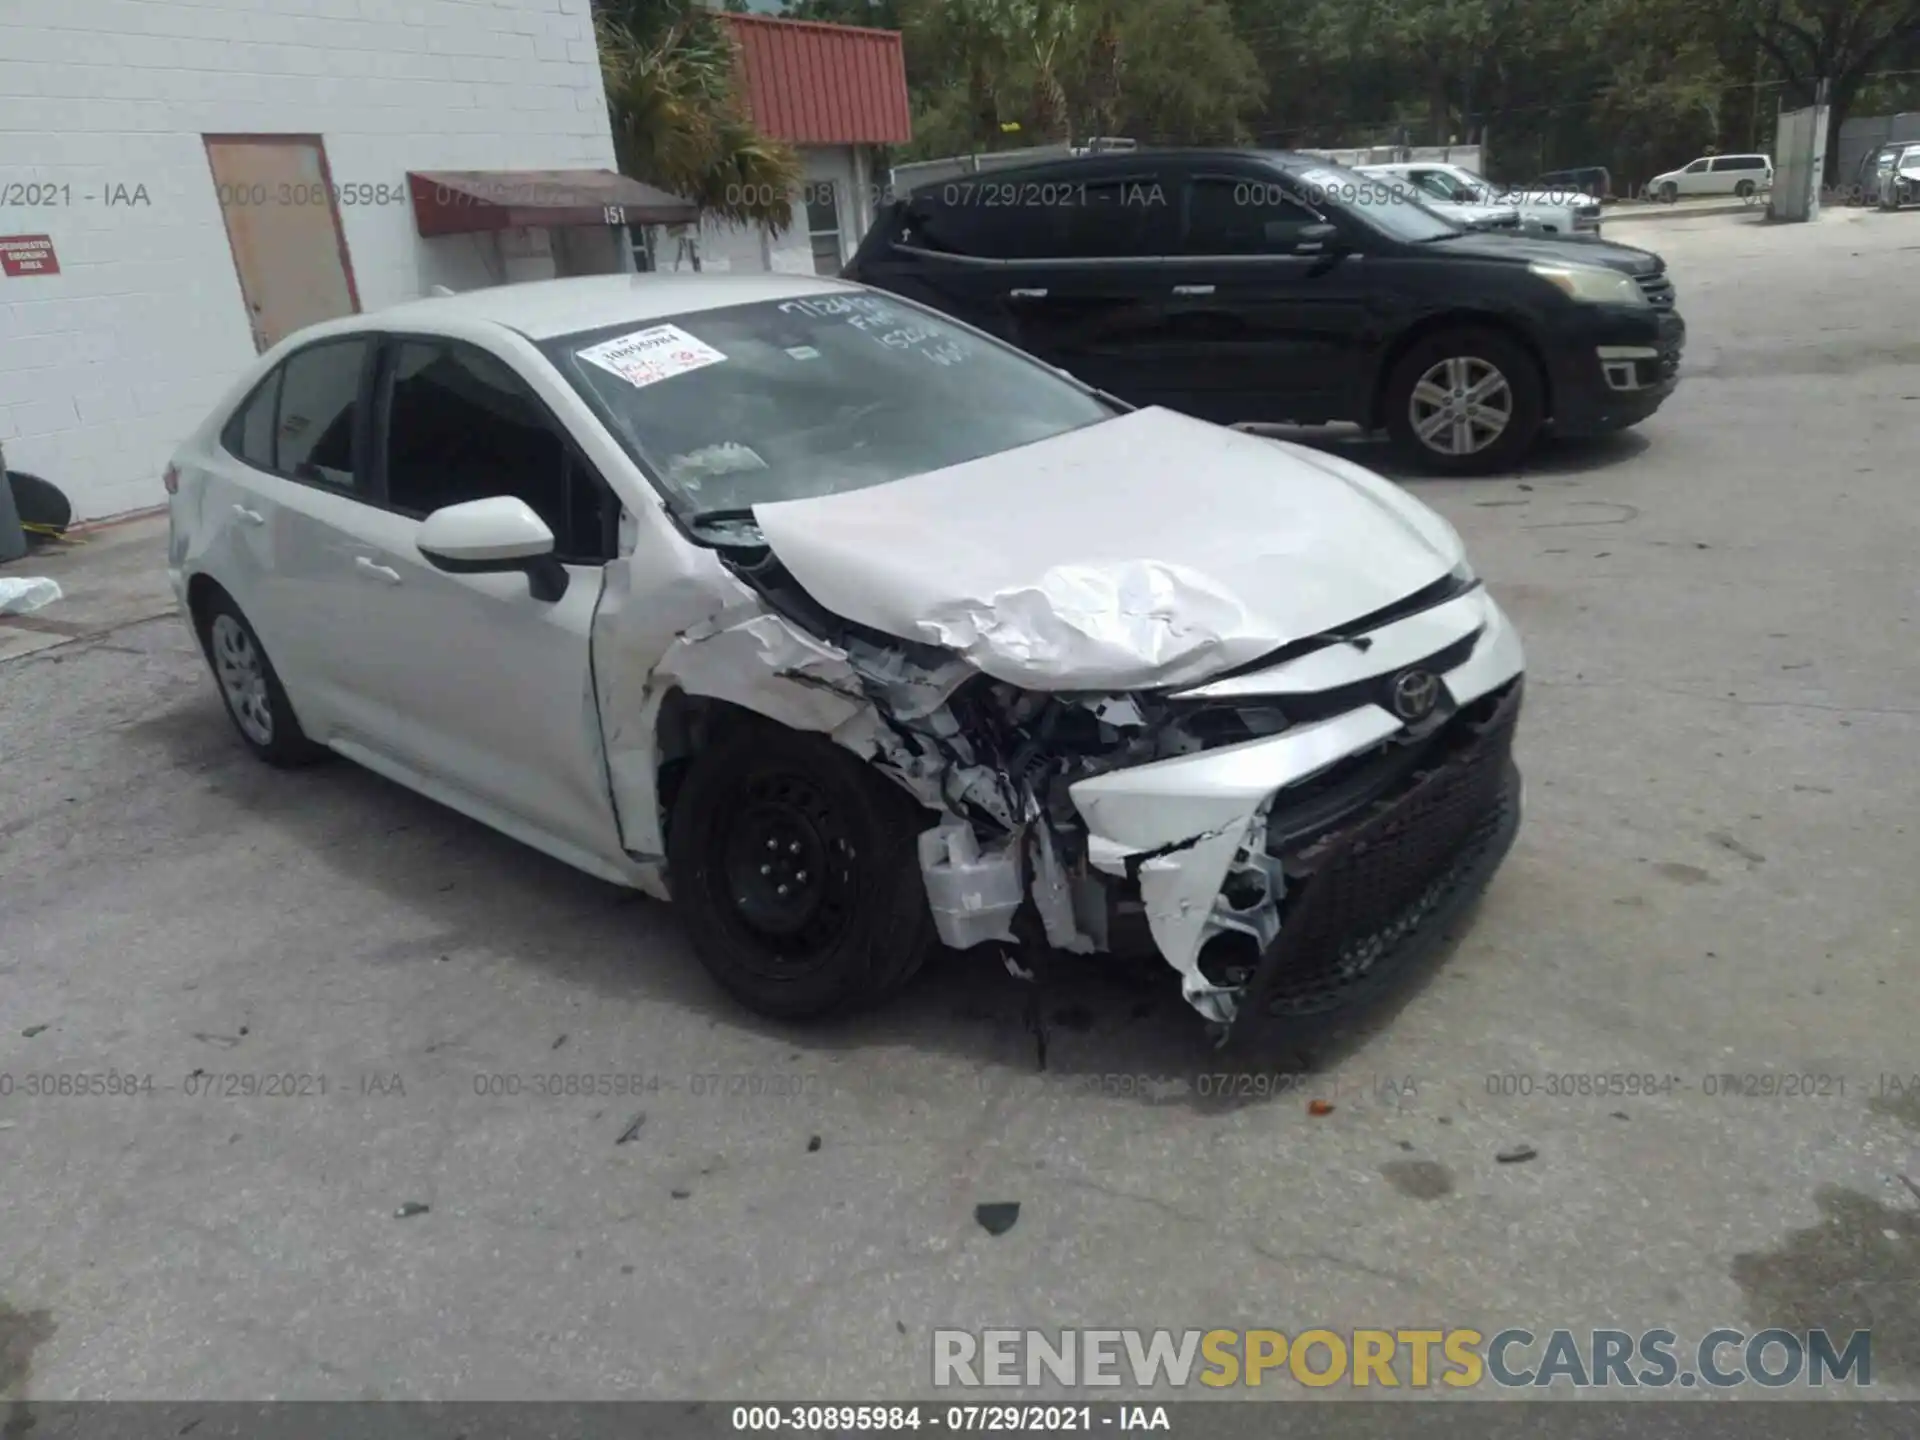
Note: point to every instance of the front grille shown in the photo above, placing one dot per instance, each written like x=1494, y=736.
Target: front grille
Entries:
x=1658, y=289
x=1357, y=894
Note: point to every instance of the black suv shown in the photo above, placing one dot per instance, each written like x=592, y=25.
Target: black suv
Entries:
x=1258, y=287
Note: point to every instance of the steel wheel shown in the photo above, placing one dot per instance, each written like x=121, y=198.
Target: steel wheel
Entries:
x=790, y=870
x=1460, y=406
x=242, y=673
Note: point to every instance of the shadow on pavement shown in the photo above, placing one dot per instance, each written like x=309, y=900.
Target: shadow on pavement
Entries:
x=1119, y=1027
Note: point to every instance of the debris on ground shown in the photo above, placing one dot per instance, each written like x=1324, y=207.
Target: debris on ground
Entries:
x=997, y=1218
x=8, y=1124
x=31, y=1031
x=411, y=1209
x=680, y=1194
x=26, y=594
x=633, y=1128
x=1319, y=1107
x=813, y=1143
x=1514, y=1154
x=1621, y=1115
x=559, y=1041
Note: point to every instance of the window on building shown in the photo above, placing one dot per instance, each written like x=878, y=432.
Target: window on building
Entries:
x=318, y=415
x=462, y=426
x=823, y=226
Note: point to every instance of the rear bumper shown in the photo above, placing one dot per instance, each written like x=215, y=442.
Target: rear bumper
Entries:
x=1614, y=371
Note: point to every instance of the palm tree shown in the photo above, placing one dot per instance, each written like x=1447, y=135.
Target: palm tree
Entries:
x=678, y=123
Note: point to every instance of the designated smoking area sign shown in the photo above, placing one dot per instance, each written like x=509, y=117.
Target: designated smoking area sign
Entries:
x=28, y=255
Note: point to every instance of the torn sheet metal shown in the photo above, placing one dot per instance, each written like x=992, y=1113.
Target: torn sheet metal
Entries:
x=1148, y=551
x=1181, y=824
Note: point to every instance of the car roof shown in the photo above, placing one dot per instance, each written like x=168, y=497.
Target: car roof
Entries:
x=542, y=309
x=1118, y=164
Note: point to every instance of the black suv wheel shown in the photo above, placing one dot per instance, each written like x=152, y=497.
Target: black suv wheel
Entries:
x=1465, y=402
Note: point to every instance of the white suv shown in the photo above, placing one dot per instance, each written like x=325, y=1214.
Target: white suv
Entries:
x=1742, y=175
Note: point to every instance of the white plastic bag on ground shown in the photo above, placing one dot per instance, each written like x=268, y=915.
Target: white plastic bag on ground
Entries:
x=27, y=594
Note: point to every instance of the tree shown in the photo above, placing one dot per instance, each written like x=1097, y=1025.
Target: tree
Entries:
x=1840, y=41
x=985, y=71
x=678, y=123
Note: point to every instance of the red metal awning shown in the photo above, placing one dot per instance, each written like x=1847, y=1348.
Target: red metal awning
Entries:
x=814, y=84
x=457, y=202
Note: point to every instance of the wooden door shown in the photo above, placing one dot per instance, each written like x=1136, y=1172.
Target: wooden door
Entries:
x=276, y=196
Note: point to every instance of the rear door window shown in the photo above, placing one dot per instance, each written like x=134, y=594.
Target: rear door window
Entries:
x=1119, y=219
x=249, y=434
x=317, y=415
x=986, y=219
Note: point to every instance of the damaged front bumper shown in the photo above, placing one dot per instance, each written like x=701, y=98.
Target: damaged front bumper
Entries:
x=1291, y=873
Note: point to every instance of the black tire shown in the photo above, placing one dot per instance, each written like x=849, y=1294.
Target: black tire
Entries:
x=1525, y=410
x=268, y=728
x=857, y=926
x=1669, y=193
x=1744, y=189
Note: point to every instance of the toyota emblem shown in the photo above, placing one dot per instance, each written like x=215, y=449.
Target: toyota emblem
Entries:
x=1415, y=693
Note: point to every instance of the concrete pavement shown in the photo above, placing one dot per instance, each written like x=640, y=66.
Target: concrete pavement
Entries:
x=1714, y=880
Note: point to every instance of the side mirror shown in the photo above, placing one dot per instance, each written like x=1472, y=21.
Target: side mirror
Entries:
x=1316, y=239
x=492, y=536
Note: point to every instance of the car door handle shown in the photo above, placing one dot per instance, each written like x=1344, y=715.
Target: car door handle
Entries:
x=252, y=517
x=1026, y=294
x=376, y=570
x=1193, y=289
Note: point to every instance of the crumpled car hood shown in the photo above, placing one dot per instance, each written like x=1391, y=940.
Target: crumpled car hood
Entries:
x=1146, y=551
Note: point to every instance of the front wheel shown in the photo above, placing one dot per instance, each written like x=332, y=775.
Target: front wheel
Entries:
x=796, y=867
x=1669, y=193
x=1465, y=402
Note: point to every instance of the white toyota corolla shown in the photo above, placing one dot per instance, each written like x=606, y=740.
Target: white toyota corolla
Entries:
x=863, y=632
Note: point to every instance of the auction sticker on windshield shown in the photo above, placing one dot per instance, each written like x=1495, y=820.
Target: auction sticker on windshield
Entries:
x=647, y=357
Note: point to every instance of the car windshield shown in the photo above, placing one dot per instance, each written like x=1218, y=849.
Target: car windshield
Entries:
x=791, y=399
x=1392, y=207
x=1475, y=185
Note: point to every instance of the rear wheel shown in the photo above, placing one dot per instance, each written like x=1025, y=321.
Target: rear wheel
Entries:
x=1465, y=402
x=255, y=700
x=797, y=869
x=1745, y=190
